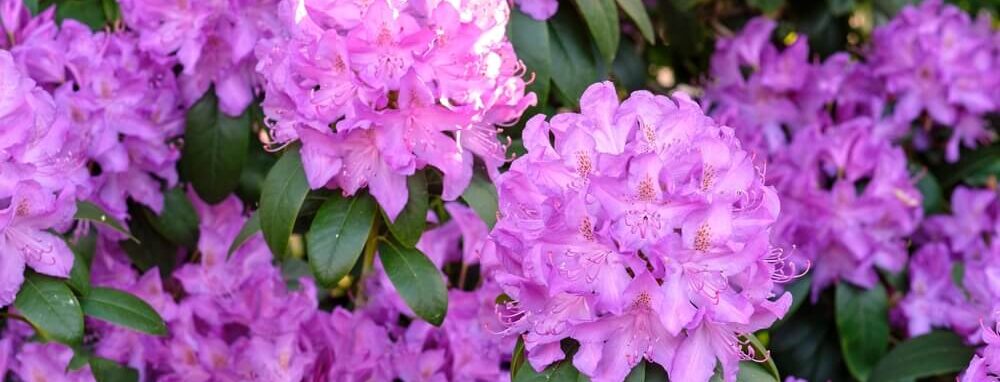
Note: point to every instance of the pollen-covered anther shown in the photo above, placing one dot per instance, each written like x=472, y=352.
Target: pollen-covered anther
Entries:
x=587, y=229
x=584, y=165
x=703, y=238
x=647, y=190
x=707, y=178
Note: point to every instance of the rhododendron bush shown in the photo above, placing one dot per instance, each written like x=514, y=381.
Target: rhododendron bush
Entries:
x=499, y=190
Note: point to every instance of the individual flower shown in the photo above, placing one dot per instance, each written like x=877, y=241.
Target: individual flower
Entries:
x=212, y=40
x=934, y=60
x=379, y=90
x=848, y=203
x=641, y=230
x=47, y=362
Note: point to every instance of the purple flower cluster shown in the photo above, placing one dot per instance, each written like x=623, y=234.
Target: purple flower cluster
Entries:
x=85, y=117
x=953, y=281
x=934, y=60
x=213, y=41
x=641, y=230
x=378, y=90
x=848, y=203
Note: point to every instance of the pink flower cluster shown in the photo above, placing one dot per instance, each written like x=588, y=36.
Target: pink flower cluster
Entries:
x=953, y=281
x=212, y=40
x=933, y=60
x=848, y=203
x=378, y=90
x=86, y=117
x=641, y=230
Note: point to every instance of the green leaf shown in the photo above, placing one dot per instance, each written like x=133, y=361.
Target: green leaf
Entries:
x=215, y=148
x=601, y=17
x=638, y=373
x=51, y=308
x=482, y=197
x=863, y=325
x=571, y=51
x=285, y=189
x=106, y=370
x=292, y=270
x=79, y=275
x=840, y=7
x=517, y=358
x=930, y=189
x=800, y=293
x=806, y=346
x=90, y=211
x=958, y=274
x=410, y=223
x=32, y=6
x=179, y=221
x=112, y=12
x=975, y=167
x=761, y=351
x=155, y=250
x=936, y=353
x=767, y=6
x=81, y=357
x=250, y=228
x=562, y=371
x=416, y=279
x=530, y=39
x=754, y=372
x=123, y=309
x=637, y=12
x=89, y=12
x=338, y=234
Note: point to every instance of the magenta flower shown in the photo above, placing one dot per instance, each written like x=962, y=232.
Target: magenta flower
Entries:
x=985, y=366
x=601, y=241
x=934, y=60
x=374, y=98
x=212, y=40
x=849, y=204
x=538, y=9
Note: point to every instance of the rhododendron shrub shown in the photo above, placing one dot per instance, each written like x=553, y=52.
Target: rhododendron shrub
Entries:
x=499, y=190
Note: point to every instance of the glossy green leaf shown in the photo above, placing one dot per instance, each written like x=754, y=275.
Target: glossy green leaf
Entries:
x=91, y=212
x=106, y=370
x=88, y=12
x=800, y=293
x=806, y=346
x=79, y=275
x=601, y=17
x=936, y=353
x=530, y=39
x=517, y=357
x=179, y=221
x=51, y=308
x=416, y=279
x=863, y=325
x=482, y=197
x=215, y=148
x=250, y=228
x=930, y=190
x=152, y=249
x=338, y=234
x=637, y=12
x=570, y=50
x=410, y=223
x=285, y=189
x=81, y=357
x=562, y=371
x=123, y=309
